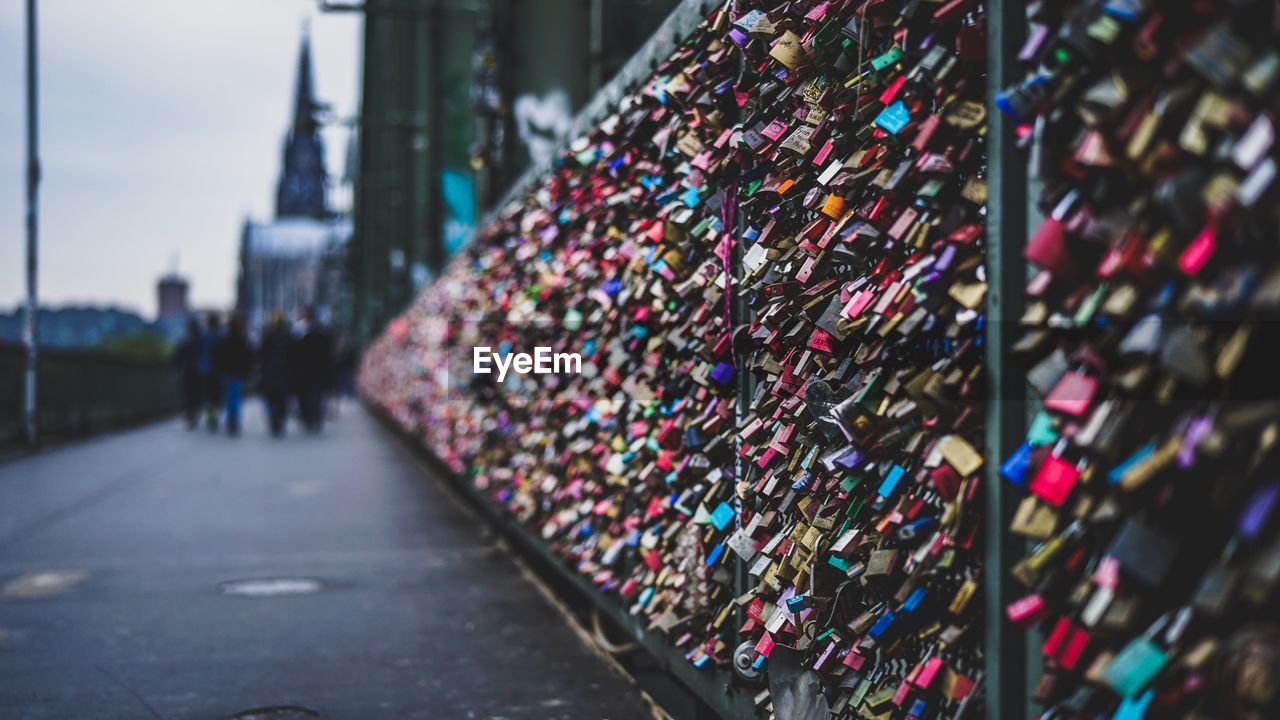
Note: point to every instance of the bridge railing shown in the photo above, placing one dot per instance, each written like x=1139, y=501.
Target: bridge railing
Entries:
x=82, y=392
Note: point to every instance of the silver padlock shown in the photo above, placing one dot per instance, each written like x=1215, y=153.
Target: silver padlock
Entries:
x=743, y=662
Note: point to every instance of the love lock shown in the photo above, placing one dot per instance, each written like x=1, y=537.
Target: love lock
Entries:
x=743, y=662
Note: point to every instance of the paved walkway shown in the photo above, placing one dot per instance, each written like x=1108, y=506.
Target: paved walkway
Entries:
x=112, y=554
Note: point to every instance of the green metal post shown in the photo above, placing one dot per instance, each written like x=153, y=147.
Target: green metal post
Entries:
x=1004, y=672
x=438, y=133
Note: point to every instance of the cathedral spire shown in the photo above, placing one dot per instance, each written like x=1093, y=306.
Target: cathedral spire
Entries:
x=304, y=102
x=301, y=192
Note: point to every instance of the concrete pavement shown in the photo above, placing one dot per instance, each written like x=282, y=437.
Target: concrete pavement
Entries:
x=114, y=554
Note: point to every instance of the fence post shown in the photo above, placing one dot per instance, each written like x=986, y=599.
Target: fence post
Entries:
x=1004, y=671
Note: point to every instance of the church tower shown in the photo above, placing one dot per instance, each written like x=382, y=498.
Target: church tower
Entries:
x=303, y=184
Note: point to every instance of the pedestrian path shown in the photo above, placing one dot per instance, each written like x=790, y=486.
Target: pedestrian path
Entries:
x=379, y=599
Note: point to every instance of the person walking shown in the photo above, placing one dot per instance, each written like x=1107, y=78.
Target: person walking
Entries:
x=275, y=371
x=211, y=380
x=233, y=361
x=314, y=369
x=186, y=360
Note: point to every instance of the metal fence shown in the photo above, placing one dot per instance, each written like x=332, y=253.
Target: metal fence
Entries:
x=1012, y=659
x=82, y=392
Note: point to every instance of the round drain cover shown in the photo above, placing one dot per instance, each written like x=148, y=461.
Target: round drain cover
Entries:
x=272, y=587
x=278, y=712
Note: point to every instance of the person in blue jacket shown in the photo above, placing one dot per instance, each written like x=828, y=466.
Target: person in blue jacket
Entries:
x=233, y=359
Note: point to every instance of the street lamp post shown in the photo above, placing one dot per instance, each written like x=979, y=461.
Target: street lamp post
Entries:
x=33, y=186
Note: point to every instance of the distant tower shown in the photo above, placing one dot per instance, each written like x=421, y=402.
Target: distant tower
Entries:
x=172, y=293
x=301, y=192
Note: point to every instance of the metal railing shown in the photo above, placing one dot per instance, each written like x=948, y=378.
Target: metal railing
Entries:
x=83, y=392
x=1011, y=656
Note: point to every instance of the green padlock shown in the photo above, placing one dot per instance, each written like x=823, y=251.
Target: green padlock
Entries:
x=1135, y=667
x=1144, y=657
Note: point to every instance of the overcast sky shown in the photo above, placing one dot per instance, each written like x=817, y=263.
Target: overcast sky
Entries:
x=161, y=127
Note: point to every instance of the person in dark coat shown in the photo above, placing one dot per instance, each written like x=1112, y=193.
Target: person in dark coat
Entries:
x=234, y=360
x=212, y=381
x=186, y=360
x=314, y=369
x=275, y=371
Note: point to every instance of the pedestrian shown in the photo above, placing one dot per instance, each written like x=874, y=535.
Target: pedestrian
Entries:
x=234, y=360
x=275, y=371
x=314, y=369
x=210, y=379
x=186, y=360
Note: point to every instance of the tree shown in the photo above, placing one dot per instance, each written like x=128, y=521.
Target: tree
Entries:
x=143, y=345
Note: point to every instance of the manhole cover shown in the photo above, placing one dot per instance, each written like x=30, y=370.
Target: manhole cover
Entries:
x=279, y=712
x=271, y=587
